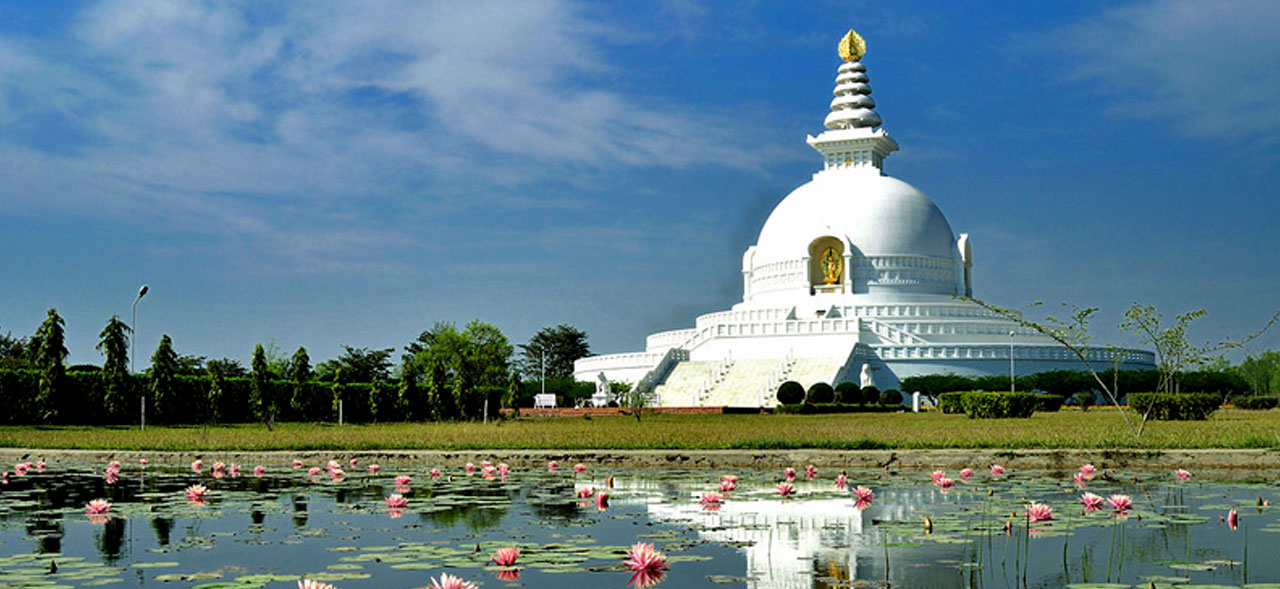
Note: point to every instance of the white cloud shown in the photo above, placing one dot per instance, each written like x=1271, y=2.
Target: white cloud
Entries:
x=223, y=118
x=1203, y=69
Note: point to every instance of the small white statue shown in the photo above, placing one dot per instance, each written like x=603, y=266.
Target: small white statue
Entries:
x=866, y=379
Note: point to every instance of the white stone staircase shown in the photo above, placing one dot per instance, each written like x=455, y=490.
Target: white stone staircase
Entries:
x=808, y=371
x=685, y=383
x=741, y=384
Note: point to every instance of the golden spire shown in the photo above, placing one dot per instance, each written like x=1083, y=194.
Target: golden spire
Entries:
x=852, y=47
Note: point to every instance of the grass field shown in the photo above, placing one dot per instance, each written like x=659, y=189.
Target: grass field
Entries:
x=1228, y=428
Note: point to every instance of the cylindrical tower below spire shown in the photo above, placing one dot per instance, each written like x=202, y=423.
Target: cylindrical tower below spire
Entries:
x=853, y=106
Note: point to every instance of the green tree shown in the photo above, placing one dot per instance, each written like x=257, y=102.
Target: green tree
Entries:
x=13, y=352
x=357, y=365
x=456, y=363
x=409, y=393
x=51, y=357
x=113, y=343
x=299, y=366
x=339, y=391
x=511, y=399
x=561, y=344
x=261, y=393
x=1262, y=373
x=1175, y=354
x=163, y=373
x=226, y=368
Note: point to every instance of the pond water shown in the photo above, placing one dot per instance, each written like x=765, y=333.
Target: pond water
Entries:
x=270, y=531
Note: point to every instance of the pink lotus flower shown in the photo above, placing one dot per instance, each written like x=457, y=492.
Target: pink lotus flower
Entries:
x=97, y=507
x=487, y=472
x=259, y=470
x=644, y=557
x=435, y=473
x=1182, y=474
x=142, y=462
x=354, y=462
x=997, y=470
x=297, y=463
x=337, y=474
x=1081, y=479
x=40, y=466
x=842, y=482
x=485, y=464
x=1039, y=512
x=113, y=464
x=862, y=504
x=937, y=476
x=711, y=497
x=1233, y=519
x=403, y=480
x=863, y=493
x=309, y=584
x=333, y=464
x=579, y=467
x=1120, y=503
x=197, y=465
x=727, y=486
x=448, y=581
x=1091, y=502
x=234, y=471
x=789, y=474
x=945, y=483
x=602, y=501
x=584, y=492
x=503, y=469
x=810, y=471
x=374, y=468
x=966, y=473
x=786, y=489
x=506, y=557
x=1087, y=470
x=196, y=493
x=469, y=467
x=396, y=501
x=217, y=466
x=553, y=464
x=313, y=471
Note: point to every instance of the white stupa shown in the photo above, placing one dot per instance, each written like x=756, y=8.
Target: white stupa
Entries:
x=855, y=276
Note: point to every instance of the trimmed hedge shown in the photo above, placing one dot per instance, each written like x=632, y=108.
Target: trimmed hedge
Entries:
x=817, y=408
x=891, y=397
x=848, y=393
x=822, y=393
x=790, y=392
x=1174, y=407
x=1257, y=403
x=870, y=395
x=1049, y=403
x=999, y=405
x=951, y=403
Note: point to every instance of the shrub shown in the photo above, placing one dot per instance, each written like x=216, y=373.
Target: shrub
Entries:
x=1049, y=403
x=1174, y=407
x=848, y=393
x=999, y=405
x=1085, y=400
x=821, y=392
x=1257, y=402
x=870, y=394
x=891, y=397
x=951, y=403
x=790, y=392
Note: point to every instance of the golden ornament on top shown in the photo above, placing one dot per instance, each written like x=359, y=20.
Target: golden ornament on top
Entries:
x=852, y=47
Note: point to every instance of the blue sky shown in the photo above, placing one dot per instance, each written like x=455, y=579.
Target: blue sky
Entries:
x=323, y=173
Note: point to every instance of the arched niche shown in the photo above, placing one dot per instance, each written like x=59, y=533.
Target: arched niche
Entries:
x=828, y=264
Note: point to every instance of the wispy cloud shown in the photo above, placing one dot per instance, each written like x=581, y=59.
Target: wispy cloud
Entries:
x=262, y=120
x=1202, y=69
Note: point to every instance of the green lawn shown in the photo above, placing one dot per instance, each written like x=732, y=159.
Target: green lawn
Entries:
x=1228, y=428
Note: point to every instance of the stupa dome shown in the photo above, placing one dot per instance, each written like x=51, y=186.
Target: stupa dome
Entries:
x=876, y=215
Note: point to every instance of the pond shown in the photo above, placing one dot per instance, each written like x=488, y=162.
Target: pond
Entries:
x=273, y=528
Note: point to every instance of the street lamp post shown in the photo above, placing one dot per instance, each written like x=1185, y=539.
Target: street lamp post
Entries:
x=1012, y=388
x=133, y=355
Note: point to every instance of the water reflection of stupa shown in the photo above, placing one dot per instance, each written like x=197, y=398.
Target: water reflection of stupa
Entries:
x=853, y=271
x=788, y=544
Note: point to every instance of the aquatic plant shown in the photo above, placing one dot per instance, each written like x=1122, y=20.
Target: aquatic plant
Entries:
x=506, y=556
x=1091, y=502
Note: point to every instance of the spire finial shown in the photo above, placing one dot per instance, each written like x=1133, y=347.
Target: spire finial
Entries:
x=852, y=47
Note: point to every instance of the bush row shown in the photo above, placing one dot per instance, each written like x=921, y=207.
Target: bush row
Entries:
x=94, y=398
x=846, y=393
x=816, y=408
x=1257, y=402
x=1175, y=407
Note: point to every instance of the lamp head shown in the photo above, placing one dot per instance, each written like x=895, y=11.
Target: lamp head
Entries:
x=142, y=291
